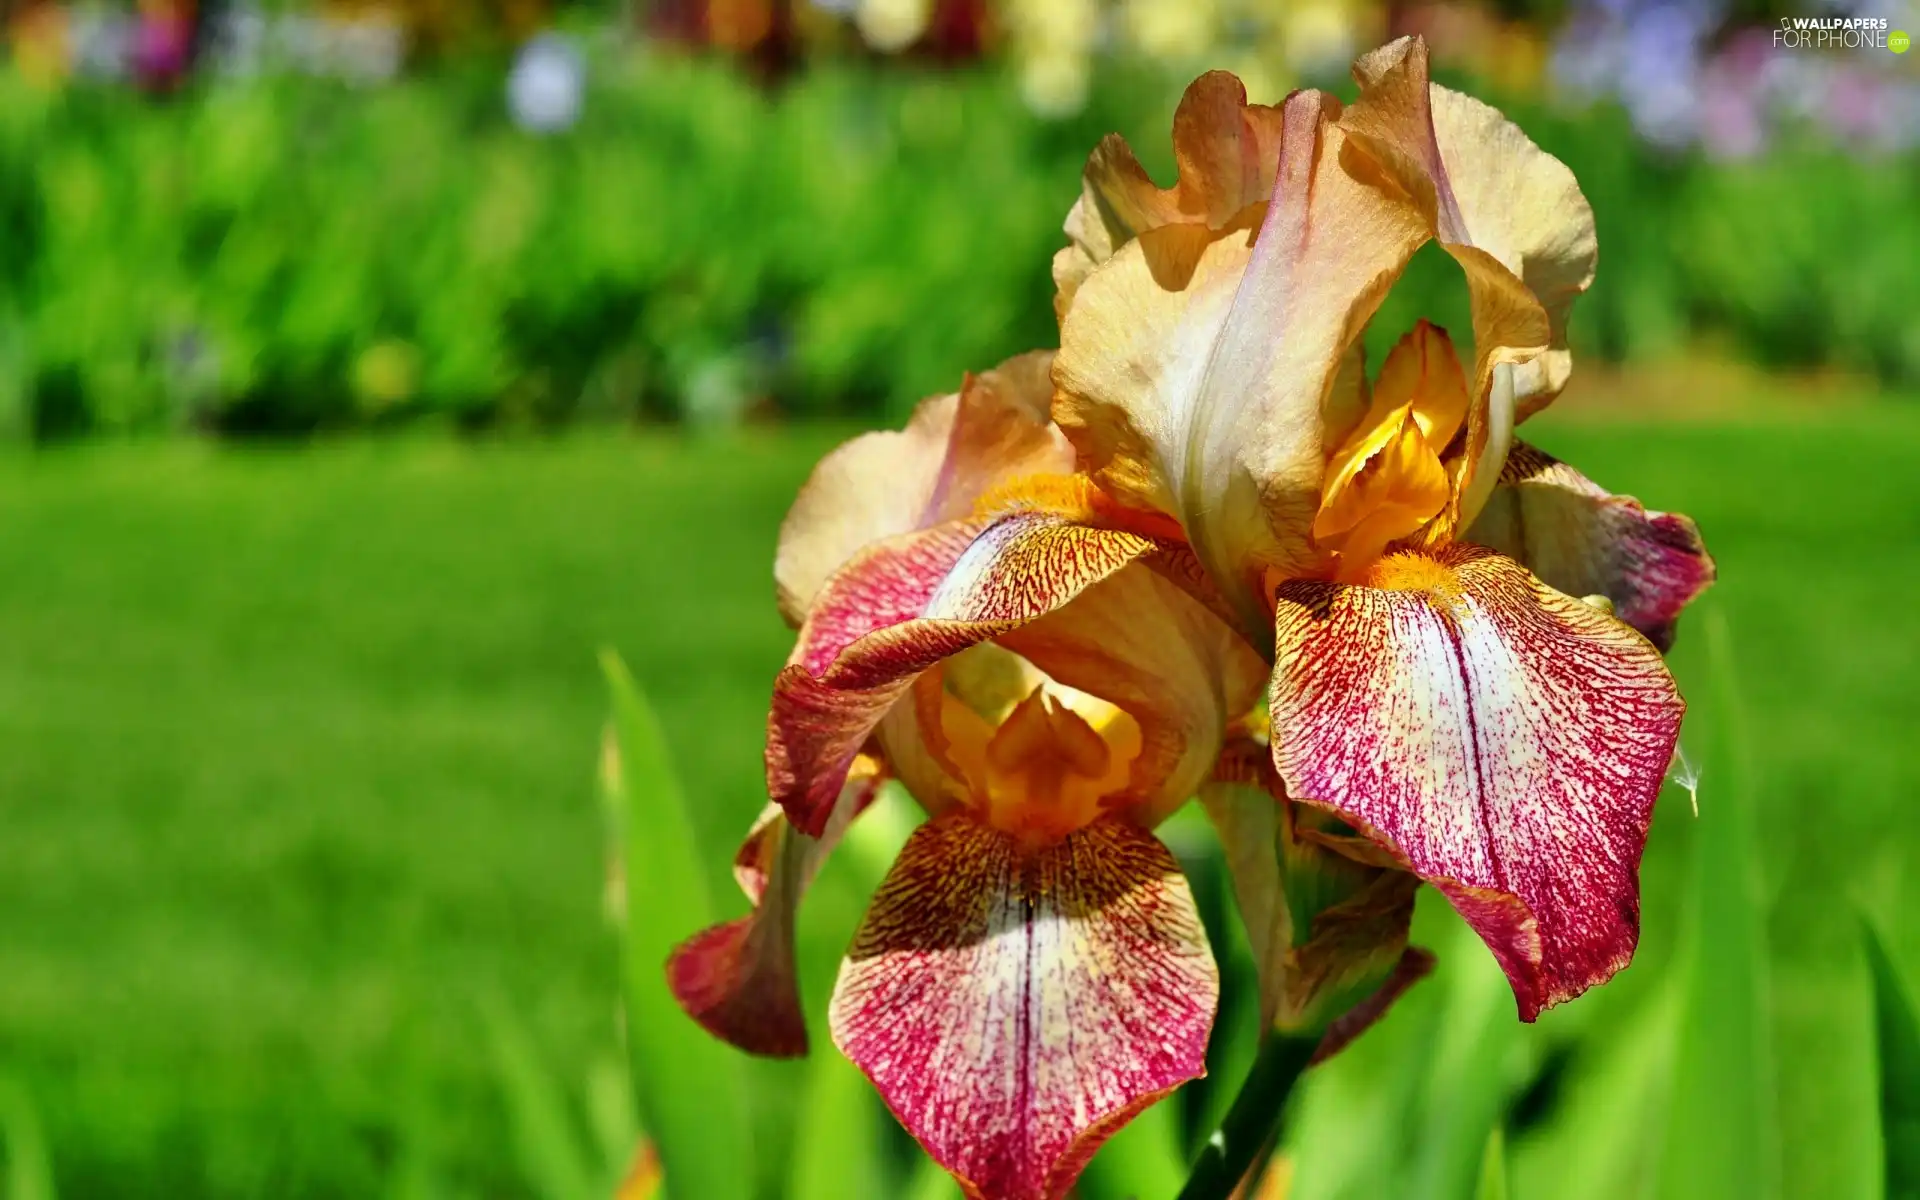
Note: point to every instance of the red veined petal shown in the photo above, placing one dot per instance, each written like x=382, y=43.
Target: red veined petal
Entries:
x=892, y=481
x=1014, y=1008
x=738, y=979
x=1583, y=540
x=904, y=605
x=1505, y=740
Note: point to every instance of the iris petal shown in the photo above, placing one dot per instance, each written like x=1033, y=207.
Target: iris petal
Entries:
x=900, y=607
x=1014, y=1009
x=1504, y=740
x=1583, y=540
x=738, y=979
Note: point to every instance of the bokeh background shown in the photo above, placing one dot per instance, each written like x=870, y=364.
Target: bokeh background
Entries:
x=369, y=368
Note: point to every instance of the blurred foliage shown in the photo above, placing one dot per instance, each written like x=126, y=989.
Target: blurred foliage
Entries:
x=281, y=254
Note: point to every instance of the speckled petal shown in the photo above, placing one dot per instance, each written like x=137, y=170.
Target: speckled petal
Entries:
x=900, y=607
x=882, y=484
x=1505, y=740
x=738, y=979
x=1585, y=541
x=1015, y=1008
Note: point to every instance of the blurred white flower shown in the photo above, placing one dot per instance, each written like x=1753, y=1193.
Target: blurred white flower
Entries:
x=1055, y=84
x=547, y=86
x=890, y=26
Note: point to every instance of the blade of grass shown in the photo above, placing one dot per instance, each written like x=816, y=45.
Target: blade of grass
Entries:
x=552, y=1160
x=689, y=1087
x=1899, y=1037
x=1722, y=1134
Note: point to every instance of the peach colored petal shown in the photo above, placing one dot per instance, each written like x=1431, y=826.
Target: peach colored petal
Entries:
x=1505, y=740
x=1225, y=150
x=738, y=979
x=1198, y=368
x=1015, y=1009
x=1583, y=540
x=881, y=484
x=1509, y=213
x=900, y=607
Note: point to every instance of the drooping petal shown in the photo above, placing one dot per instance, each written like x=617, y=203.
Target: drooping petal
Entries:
x=1226, y=151
x=1198, y=367
x=1016, y=1008
x=1138, y=641
x=1509, y=213
x=738, y=979
x=903, y=605
x=1583, y=540
x=882, y=484
x=1505, y=740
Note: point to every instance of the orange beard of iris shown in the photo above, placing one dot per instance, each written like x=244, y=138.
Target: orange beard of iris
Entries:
x=1044, y=769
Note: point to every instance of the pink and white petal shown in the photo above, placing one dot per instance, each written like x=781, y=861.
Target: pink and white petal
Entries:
x=738, y=979
x=1583, y=540
x=1141, y=643
x=1197, y=369
x=882, y=484
x=900, y=607
x=1015, y=1007
x=1505, y=740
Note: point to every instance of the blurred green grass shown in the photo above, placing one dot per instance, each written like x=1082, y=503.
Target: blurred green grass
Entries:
x=297, y=748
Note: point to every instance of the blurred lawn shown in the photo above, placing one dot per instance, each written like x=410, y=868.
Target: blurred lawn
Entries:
x=297, y=752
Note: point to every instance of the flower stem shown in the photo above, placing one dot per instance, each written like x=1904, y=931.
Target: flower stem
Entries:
x=1250, y=1125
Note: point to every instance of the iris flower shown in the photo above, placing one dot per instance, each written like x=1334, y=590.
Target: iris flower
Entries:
x=979, y=623
x=1463, y=630
x=1052, y=605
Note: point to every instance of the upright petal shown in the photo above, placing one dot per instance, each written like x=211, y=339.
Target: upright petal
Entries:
x=1015, y=1009
x=1225, y=150
x=903, y=605
x=738, y=979
x=1504, y=740
x=882, y=484
x=1197, y=368
x=1583, y=540
x=1509, y=213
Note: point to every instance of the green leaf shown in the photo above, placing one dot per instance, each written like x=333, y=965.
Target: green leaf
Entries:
x=1899, y=1036
x=544, y=1138
x=689, y=1087
x=1722, y=1134
x=29, y=1167
x=1143, y=1159
x=1470, y=1072
x=1493, y=1168
x=838, y=1151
